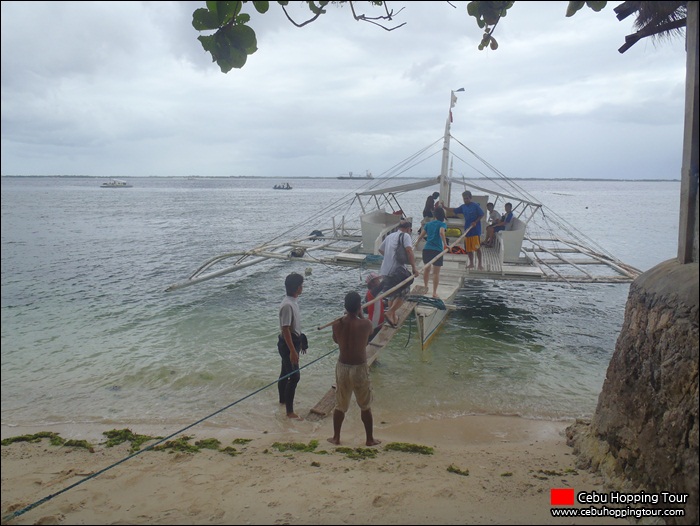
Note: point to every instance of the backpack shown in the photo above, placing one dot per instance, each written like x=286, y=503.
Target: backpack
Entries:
x=401, y=256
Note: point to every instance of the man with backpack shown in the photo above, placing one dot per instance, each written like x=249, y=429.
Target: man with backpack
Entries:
x=397, y=249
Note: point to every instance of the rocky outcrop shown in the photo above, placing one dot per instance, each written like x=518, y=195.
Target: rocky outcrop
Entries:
x=644, y=432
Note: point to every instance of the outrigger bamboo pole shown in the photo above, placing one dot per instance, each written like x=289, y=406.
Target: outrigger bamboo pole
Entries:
x=407, y=280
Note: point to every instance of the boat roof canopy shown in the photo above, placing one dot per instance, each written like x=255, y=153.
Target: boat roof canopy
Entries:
x=403, y=187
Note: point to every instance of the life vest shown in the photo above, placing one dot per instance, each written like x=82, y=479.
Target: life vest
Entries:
x=457, y=250
x=375, y=312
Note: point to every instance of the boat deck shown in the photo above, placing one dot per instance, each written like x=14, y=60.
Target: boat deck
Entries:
x=491, y=266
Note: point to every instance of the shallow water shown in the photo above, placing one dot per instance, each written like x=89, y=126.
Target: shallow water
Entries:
x=90, y=336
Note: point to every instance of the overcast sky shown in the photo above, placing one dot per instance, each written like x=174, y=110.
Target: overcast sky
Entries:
x=115, y=89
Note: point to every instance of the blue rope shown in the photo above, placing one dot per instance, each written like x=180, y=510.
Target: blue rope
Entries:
x=49, y=497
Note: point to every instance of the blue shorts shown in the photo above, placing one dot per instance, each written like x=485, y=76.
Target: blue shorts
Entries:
x=429, y=255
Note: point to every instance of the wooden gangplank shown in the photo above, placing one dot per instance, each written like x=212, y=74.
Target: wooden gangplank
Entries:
x=325, y=405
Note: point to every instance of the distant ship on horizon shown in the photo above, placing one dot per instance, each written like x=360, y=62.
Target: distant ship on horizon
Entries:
x=368, y=175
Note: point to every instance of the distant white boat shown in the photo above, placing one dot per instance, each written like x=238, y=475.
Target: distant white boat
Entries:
x=115, y=183
x=368, y=175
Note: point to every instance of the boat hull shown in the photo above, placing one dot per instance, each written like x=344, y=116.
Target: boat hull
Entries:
x=429, y=320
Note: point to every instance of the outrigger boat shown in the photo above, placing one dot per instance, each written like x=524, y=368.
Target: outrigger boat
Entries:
x=531, y=251
x=115, y=183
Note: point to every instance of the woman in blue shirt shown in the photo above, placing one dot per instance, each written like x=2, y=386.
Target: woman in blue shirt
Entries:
x=435, y=242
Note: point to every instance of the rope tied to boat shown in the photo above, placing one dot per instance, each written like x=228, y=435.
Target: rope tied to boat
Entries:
x=424, y=300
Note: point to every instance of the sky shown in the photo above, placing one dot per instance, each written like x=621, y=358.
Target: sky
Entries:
x=119, y=89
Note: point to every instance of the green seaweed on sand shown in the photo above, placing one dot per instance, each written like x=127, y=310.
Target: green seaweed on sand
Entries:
x=208, y=443
x=409, y=448
x=54, y=439
x=296, y=446
x=119, y=436
x=181, y=444
x=454, y=469
x=358, y=453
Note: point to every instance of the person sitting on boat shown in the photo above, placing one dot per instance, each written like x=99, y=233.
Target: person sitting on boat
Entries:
x=472, y=213
x=434, y=232
x=393, y=272
x=505, y=223
x=375, y=312
x=494, y=217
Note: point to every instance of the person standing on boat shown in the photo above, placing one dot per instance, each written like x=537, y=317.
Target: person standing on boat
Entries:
x=375, y=312
x=435, y=243
x=472, y=213
x=291, y=342
x=392, y=269
x=351, y=371
x=429, y=209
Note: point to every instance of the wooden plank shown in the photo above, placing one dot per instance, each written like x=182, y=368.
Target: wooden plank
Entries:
x=326, y=404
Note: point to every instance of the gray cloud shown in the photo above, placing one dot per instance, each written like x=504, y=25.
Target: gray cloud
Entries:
x=124, y=88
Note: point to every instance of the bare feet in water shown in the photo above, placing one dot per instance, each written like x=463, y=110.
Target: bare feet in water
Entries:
x=294, y=416
x=373, y=442
x=335, y=441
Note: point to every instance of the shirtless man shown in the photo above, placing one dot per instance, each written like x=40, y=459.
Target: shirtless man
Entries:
x=351, y=333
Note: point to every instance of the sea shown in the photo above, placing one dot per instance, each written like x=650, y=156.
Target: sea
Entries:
x=90, y=336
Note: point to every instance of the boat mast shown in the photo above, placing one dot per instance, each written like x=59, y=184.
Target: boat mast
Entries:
x=444, y=179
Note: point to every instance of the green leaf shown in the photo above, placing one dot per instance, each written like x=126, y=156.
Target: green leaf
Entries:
x=209, y=45
x=228, y=54
x=261, y=7
x=226, y=11
x=242, y=38
x=596, y=6
x=574, y=7
x=317, y=10
x=203, y=19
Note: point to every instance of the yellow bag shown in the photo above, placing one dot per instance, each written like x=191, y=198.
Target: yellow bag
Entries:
x=453, y=232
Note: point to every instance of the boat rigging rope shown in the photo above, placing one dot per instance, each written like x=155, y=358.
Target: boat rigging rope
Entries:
x=93, y=475
x=431, y=302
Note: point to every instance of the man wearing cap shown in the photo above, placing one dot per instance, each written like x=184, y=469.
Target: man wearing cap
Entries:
x=390, y=264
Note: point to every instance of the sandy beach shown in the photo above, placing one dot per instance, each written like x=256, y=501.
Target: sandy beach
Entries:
x=483, y=470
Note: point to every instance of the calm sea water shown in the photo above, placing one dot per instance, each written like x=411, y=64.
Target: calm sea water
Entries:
x=89, y=334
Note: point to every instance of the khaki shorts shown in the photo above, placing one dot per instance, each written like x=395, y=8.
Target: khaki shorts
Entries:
x=351, y=379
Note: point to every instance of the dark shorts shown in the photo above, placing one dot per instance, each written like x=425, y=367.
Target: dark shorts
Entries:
x=498, y=228
x=429, y=255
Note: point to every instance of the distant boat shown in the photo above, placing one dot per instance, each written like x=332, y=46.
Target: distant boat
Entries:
x=115, y=183
x=368, y=175
x=283, y=186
